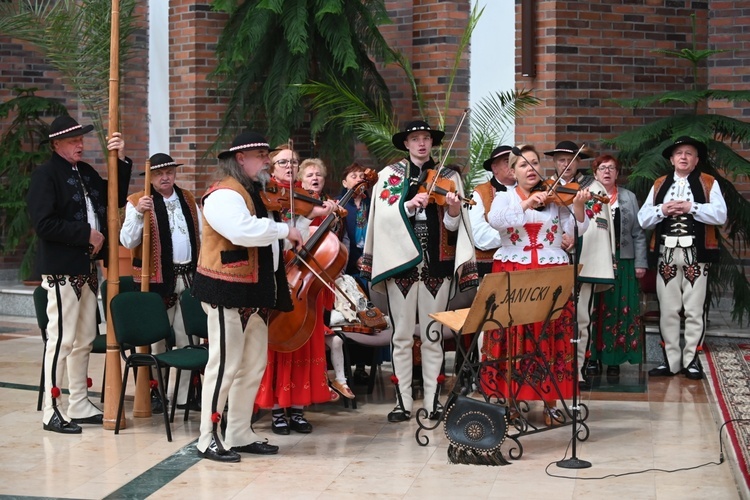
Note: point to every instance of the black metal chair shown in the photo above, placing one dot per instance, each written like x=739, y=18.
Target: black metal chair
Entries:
x=148, y=326
x=196, y=325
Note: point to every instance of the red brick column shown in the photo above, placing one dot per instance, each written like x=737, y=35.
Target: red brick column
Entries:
x=195, y=110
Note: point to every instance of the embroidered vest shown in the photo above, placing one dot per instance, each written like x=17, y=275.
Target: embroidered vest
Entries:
x=706, y=237
x=235, y=276
x=486, y=192
x=161, y=275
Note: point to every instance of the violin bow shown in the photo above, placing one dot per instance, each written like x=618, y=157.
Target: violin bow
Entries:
x=290, y=145
x=441, y=164
x=559, y=177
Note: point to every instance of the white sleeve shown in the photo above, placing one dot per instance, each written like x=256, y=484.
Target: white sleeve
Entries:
x=225, y=210
x=131, y=232
x=650, y=215
x=506, y=211
x=714, y=212
x=486, y=237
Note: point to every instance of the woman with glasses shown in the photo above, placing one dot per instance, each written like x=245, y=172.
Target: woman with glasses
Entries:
x=299, y=378
x=617, y=310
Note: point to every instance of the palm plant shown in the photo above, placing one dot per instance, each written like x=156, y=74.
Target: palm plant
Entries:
x=19, y=144
x=640, y=149
x=374, y=124
x=74, y=37
x=270, y=46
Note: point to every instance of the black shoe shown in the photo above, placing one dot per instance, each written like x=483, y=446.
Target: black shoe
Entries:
x=613, y=371
x=584, y=385
x=279, y=424
x=399, y=415
x=592, y=368
x=660, y=371
x=298, y=423
x=360, y=377
x=213, y=453
x=156, y=407
x=94, y=420
x=694, y=371
x=194, y=406
x=56, y=424
x=257, y=448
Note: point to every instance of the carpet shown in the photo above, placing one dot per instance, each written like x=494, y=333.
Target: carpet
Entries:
x=729, y=377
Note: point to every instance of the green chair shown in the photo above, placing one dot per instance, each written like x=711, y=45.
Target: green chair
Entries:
x=196, y=325
x=139, y=320
x=98, y=347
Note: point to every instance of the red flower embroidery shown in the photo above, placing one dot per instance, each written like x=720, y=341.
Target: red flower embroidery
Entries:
x=394, y=379
x=55, y=391
x=553, y=228
x=514, y=237
x=550, y=237
x=393, y=199
x=153, y=384
x=394, y=180
x=634, y=344
x=89, y=382
x=384, y=194
x=589, y=213
x=216, y=417
x=510, y=230
x=596, y=208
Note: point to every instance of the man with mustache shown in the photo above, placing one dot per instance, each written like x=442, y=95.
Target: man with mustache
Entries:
x=240, y=277
x=67, y=203
x=175, y=242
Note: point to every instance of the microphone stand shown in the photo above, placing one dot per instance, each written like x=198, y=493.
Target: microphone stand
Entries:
x=573, y=462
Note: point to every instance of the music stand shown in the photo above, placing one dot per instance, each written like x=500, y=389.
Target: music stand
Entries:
x=508, y=299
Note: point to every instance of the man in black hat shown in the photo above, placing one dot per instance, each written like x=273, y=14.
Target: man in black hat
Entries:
x=685, y=210
x=595, y=248
x=486, y=238
x=175, y=242
x=67, y=202
x=240, y=277
x=413, y=250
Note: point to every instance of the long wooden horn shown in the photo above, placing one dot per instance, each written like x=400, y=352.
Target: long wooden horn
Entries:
x=142, y=402
x=113, y=382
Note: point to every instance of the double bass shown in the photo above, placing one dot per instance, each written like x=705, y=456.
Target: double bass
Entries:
x=322, y=255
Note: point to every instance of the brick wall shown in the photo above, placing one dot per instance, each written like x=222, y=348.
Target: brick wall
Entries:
x=195, y=110
x=590, y=52
x=23, y=67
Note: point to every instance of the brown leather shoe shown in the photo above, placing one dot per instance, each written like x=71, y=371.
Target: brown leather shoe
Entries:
x=342, y=389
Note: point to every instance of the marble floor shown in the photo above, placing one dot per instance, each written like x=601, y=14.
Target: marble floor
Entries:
x=662, y=424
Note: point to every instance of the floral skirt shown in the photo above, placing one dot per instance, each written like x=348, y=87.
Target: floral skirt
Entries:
x=530, y=373
x=617, y=319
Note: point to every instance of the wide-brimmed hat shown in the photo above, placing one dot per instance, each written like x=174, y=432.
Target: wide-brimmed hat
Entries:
x=416, y=126
x=496, y=153
x=161, y=160
x=567, y=147
x=246, y=141
x=686, y=140
x=65, y=126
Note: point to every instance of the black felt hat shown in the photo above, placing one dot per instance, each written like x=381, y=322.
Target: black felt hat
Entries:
x=567, y=147
x=161, y=160
x=65, y=126
x=416, y=126
x=496, y=153
x=246, y=141
x=686, y=140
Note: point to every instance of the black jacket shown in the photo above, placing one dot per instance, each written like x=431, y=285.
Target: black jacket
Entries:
x=57, y=208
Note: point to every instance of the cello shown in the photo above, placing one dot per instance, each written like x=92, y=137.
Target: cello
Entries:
x=324, y=256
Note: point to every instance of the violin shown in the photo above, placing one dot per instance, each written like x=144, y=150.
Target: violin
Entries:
x=356, y=328
x=440, y=187
x=564, y=195
x=276, y=198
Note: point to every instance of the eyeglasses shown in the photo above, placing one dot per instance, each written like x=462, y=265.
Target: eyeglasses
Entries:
x=606, y=168
x=286, y=163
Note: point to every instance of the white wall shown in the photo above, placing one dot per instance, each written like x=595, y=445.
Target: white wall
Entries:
x=158, y=77
x=493, y=52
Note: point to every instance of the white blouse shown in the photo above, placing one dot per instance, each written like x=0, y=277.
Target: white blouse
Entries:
x=519, y=234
